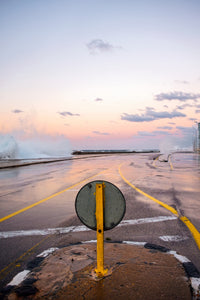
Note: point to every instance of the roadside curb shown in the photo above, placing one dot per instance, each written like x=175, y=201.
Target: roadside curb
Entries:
x=15, y=163
x=191, y=271
x=22, y=283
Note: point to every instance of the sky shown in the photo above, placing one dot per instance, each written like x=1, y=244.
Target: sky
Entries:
x=103, y=74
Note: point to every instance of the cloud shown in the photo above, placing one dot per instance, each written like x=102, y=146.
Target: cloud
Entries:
x=17, y=111
x=153, y=133
x=161, y=132
x=67, y=113
x=165, y=127
x=145, y=133
x=180, y=96
x=185, y=130
x=197, y=111
x=149, y=108
x=101, y=133
x=98, y=100
x=187, y=136
x=181, y=107
x=151, y=115
x=99, y=46
x=182, y=81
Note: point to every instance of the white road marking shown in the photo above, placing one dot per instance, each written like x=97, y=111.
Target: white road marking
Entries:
x=59, y=230
x=147, y=220
x=195, y=283
x=173, y=238
x=64, y=230
x=19, y=277
x=134, y=243
x=47, y=252
x=179, y=257
x=88, y=242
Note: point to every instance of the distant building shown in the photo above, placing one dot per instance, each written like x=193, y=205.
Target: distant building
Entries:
x=197, y=139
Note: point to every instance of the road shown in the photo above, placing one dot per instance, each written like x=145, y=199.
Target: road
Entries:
x=37, y=205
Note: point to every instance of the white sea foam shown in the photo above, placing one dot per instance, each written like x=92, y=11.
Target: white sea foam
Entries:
x=8, y=147
x=41, y=146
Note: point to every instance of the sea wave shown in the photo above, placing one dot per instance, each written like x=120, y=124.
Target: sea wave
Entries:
x=33, y=148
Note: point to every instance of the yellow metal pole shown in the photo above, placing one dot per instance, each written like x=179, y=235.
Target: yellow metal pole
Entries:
x=100, y=271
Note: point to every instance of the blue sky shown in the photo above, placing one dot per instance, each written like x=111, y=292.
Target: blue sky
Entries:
x=116, y=74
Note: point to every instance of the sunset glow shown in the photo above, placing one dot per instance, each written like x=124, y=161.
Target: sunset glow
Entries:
x=101, y=74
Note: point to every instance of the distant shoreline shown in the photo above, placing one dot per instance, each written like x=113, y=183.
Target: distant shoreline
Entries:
x=76, y=154
x=12, y=163
x=84, y=152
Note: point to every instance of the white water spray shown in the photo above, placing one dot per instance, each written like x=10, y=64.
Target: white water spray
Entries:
x=38, y=147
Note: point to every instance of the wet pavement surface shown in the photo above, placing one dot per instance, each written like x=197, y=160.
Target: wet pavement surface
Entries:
x=133, y=273
x=52, y=189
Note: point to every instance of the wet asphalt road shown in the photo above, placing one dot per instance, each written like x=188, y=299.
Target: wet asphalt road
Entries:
x=175, y=183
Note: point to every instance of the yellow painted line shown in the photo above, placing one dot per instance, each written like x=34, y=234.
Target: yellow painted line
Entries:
x=15, y=263
x=170, y=163
x=193, y=230
x=154, y=162
x=45, y=199
x=195, y=233
x=168, y=207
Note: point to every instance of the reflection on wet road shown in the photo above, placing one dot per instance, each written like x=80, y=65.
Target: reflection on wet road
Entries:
x=41, y=197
